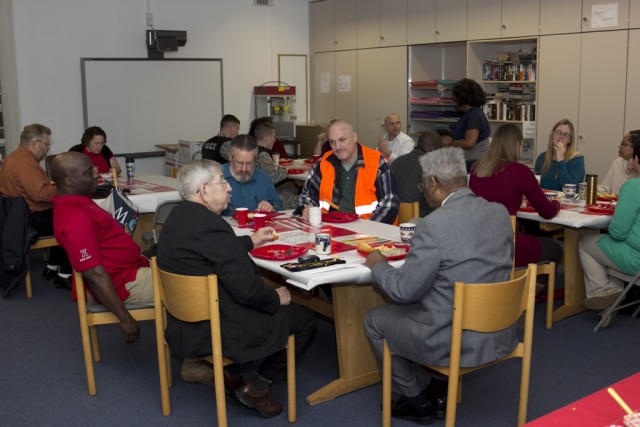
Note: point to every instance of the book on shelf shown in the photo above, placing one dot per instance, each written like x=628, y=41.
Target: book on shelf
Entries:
x=436, y=115
x=439, y=85
x=442, y=101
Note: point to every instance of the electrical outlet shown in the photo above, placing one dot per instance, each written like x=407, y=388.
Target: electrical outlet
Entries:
x=149, y=17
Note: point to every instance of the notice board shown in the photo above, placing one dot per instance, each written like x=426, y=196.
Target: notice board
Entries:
x=143, y=102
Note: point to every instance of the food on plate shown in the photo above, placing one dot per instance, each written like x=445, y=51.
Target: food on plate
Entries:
x=606, y=196
x=632, y=420
x=250, y=215
x=386, y=250
x=275, y=236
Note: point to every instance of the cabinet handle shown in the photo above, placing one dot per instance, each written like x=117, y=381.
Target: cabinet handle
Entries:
x=381, y=37
x=585, y=19
x=335, y=42
x=504, y=26
x=581, y=136
x=437, y=32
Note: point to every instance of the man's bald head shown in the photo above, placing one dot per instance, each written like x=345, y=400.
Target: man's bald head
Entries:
x=74, y=174
x=429, y=141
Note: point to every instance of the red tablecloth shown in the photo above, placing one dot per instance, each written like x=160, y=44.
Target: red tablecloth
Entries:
x=597, y=409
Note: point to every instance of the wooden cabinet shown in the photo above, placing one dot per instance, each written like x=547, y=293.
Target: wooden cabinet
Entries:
x=587, y=90
x=323, y=27
x=634, y=14
x=344, y=28
x=335, y=86
x=632, y=110
x=324, y=99
x=381, y=23
x=451, y=20
x=560, y=17
x=598, y=15
x=433, y=71
x=381, y=92
x=421, y=21
x=490, y=19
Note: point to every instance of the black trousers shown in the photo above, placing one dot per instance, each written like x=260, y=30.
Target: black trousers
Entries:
x=42, y=221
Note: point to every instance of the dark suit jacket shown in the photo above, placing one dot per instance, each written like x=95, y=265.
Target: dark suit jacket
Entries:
x=195, y=241
x=467, y=239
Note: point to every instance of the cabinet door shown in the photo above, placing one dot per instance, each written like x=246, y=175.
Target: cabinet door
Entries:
x=602, y=91
x=520, y=18
x=346, y=86
x=421, y=21
x=483, y=19
x=599, y=15
x=344, y=25
x=324, y=100
x=451, y=20
x=634, y=14
x=368, y=24
x=393, y=23
x=323, y=37
x=632, y=110
x=558, y=84
x=560, y=17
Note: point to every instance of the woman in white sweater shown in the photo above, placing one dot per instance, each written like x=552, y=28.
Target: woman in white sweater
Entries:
x=624, y=167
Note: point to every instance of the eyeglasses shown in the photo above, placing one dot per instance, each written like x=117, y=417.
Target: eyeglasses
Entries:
x=625, y=144
x=222, y=182
x=563, y=135
x=48, y=143
x=244, y=164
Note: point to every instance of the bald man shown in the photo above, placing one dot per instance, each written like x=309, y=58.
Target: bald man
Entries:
x=97, y=245
x=408, y=173
x=395, y=143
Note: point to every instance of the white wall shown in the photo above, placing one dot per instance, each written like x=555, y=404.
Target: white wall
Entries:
x=52, y=36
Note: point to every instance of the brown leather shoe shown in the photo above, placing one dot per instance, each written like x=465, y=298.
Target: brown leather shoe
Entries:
x=260, y=401
x=196, y=370
x=232, y=382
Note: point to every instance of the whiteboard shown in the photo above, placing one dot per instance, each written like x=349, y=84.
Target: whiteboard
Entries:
x=143, y=102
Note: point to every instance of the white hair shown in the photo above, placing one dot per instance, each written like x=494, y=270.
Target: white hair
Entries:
x=194, y=174
x=446, y=165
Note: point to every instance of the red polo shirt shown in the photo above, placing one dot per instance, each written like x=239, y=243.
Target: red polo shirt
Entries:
x=91, y=237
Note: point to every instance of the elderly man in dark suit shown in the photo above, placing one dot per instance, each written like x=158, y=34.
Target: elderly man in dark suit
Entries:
x=465, y=238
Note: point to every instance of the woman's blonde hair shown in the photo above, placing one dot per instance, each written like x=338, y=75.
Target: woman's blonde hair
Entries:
x=503, y=148
x=571, y=146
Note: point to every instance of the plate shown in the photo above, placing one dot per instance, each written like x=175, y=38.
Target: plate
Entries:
x=339, y=217
x=309, y=161
x=527, y=209
x=268, y=214
x=278, y=252
x=296, y=171
x=605, y=209
x=391, y=258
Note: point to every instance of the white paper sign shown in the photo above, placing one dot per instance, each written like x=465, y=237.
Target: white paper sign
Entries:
x=604, y=15
x=344, y=83
x=529, y=130
x=325, y=82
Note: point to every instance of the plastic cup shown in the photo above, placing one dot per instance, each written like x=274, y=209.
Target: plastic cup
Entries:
x=259, y=220
x=315, y=216
x=241, y=216
x=323, y=244
x=316, y=157
x=276, y=158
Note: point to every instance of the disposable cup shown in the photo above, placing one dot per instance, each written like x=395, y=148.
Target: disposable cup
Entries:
x=241, y=216
x=259, y=220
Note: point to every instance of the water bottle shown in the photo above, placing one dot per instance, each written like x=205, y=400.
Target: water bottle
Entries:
x=131, y=168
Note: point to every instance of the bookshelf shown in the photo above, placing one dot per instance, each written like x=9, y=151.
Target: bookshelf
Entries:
x=507, y=71
x=433, y=70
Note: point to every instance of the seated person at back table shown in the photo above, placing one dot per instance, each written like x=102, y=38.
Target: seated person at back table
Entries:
x=466, y=239
x=255, y=318
x=624, y=167
x=394, y=143
x=265, y=135
x=408, y=173
x=278, y=146
x=98, y=247
x=94, y=145
x=500, y=178
x=447, y=136
x=561, y=164
x=351, y=178
x=213, y=147
x=252, y=188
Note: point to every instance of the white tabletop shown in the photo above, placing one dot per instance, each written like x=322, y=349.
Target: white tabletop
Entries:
x=147, y=199
x=354, y=271
x=571, y=218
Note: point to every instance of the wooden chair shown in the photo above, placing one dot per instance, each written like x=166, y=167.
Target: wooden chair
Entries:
x=42, y=243
x=195, y=299
x=544, y=268
x=91, y=315
x=407, y=211
x=481, y=308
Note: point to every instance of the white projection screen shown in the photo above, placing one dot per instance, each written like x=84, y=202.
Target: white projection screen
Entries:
x=143, y=102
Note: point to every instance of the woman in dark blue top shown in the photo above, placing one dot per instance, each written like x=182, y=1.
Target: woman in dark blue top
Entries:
x=561, y=164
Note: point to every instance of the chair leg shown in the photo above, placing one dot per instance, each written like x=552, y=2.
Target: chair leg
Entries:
x=218, y=385
x=88, y=361
x=453, y=394
x=550, y=270
x=27, y=283
x=613, y=307
x=163, y=370
x=291, y=379
x=386, y=384
x=95, y=344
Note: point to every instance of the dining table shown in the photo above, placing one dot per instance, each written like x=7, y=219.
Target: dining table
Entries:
x=576, y=220
x=353, y=294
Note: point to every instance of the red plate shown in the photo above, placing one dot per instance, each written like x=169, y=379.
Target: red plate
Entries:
x=527, y=209
x=296, y=171
x=278, y=252
x=268, y=214
x=604, y=209
x=391, y=258
x=309, y=161
x=338, y=217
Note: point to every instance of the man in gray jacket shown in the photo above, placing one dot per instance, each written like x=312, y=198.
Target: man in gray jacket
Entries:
x=465, y=239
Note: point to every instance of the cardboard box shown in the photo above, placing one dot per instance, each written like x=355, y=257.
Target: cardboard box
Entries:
x=307, y=134
x=188, y=149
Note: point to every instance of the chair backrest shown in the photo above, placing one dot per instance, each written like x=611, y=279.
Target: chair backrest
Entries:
x=47, y=164
x=407, y=211
x=491, y=307
x=513, y=229
x=187, y=298
x=162, y=213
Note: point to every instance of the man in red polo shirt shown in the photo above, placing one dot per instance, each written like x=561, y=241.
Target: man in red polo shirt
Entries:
x=98, y=247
